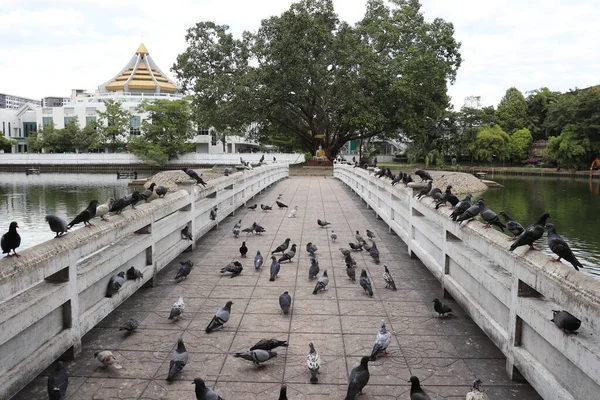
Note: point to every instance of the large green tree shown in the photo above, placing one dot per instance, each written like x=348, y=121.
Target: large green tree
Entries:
x=511, y=113
x=519, y=144
x=490, y=144
x=113, y=124
x=538, y=103
x=166, y=132
x=307, y=74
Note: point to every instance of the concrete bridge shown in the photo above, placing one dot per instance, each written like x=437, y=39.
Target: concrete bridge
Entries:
x=447, y=354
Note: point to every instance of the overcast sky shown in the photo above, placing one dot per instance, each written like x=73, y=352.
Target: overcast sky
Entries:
x=48, y=47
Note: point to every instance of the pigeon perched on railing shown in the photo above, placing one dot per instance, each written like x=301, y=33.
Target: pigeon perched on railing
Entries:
x=565, y=321
x=146, y=194
x=424, y=175
x=532, y=233
x=133, y=274
x=489, y=216
x=513, y=226
x=57, y=225
x=194, y=175
x=104, y=209
x=559, y=247
x=86, y=215
x=461, y=207
x=161, y=191
x=114, y=284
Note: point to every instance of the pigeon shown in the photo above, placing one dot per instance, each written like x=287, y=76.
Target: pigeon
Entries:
x=194, y=175
x=397, y=178
x=293, y=213
x=424, y=175
x=282, y=247
x=252, y=207
x=256, y=356
x=133, y=274
x=177, y=309
x=314, y=363
x=104, y=209
x=461, y=207
x=565, y=321
x=441, y=308
x=322, y=224
x=355, y=247
x=243, y=250
x=264, y=207
x=262, y=158
x=489, y=216
x=532, y=233
x=280, y=204
x=269, y=344
x=311, y=248
x=236, y=228
x=313, y=271
x=275, y=267
x=129, y=200
x=283, y=390
x=186, y=234
x=389, y=281
x=370, y=235
x=85, y=215
x=359, y=377
x=57, y=225
x=374, y=253
x=248, y=230
x=470, y=213
x=406, y=179
x=258, y=229
x=287, y=256
x=321, y=283
x=476, y=393
x=350, y=260
x=145, y=195
x=559, y=247
x=445, y=197
x=213, y=213
x=358, y=237
x=382, y=341
x=220, y=318
x=130, y=326
x=227, y=171
x=161, y=191
x=513, y=226
x=366, y=246
x=365, y=283
x=184, y=270
x=425, y=191
x=58, y=382
x=258, y=260
x=235, y=268
x=285, y=302
x=114, y=284
x=345, y=252
x=416, y=393
x=351, y=272
x=333, y=236
x=107, y=358
x=178, y=360
x=204, y=393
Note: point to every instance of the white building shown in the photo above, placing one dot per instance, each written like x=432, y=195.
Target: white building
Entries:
x=140, y=79
x=15, y=102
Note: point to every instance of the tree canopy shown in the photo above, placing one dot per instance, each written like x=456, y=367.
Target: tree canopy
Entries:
x=306, y=73
x=113, y=124
x=512, y=111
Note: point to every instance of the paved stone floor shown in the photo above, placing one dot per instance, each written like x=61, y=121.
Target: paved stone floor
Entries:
x=446, y=354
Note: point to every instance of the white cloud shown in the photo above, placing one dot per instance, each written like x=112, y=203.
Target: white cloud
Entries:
x=50, y=47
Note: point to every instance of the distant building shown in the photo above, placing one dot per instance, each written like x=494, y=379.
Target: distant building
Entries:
x=15, y=102
x=55, y=101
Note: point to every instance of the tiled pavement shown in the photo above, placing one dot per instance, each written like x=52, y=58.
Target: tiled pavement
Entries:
x=446, y=354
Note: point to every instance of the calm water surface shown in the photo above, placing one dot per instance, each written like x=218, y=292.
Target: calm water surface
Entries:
x=27, y=199
x=574, y=206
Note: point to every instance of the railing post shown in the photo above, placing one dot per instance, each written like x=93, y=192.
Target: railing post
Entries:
x=71, y=311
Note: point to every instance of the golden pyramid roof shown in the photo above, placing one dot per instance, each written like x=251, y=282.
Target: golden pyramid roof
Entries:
x=140, y=75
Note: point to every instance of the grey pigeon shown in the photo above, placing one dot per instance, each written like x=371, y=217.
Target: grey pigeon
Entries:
x=311, y=248
x=489, y=216
x=469, y=214
x=424, y=175
x=146, y=194
x=351, y=271
x=161, y=191
x=513, y=226
x=333, y=236
x=256, y=356
x=321, y=283
x=427, y=190
x=213, y=213
x=313, y=271
x=365, y=283
x=194, y=175
x=461, y=207
x=565, y=321
x=322, y=224
x=280, y=204
x=282, y=247
x=416, y=392
x=366, y=246
x=345, y=252
x=389, y=281
x=532, y=233
x=445, y=197
x=220, y=318
x=236, y=228
x=359, y=377
x=177, y=309
x=406, y=179
x=269, y=344
x=397, y=178
x=370, y=234
x=85, y=216
x=350, y=260
x=204, y=393
x=314, y=363
x=382, y=341
x=133, y=274
x=130, y=326
x=258, y=229
x=243, y=250
x=129, y=200
x=114, y=284
x=227, y=171
x=58, y=382
x=57, y=225
x=252, y=207
x=283, y=390
x=248, y=230
x=178, y=360
x=441, y=308
x=235, y=268
x=285, y=302
x=288, y=255
x=265, y=207
x=186, y=234
x=374, y=253
x=355, y=246
x=258, y=260
x=184, y=270
x=275, y=267
x=358, y=237
x=559, y=247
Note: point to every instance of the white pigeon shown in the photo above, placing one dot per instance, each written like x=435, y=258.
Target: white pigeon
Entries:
x=107, y=358
x=383, y=340
x=333, y=236
x=314, y=363
x=476, y=393
x=293, y=213
x=103, y=209
x=236, y=228
x=177, y=309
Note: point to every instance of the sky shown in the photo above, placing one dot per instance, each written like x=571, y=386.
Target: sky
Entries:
x=48, y=47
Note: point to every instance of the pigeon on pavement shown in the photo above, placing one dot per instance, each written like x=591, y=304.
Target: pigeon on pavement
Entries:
x=243, y=250
x=416, y=392
x=280, y=204
x=311, y=248
x=389, y=281
x=287, y=256
x=269, y=344
x=130, y=326
x=313, y=271
x=178, y=360
x=256, y=356
x=532, y=233
x=441, y=308
x=252, y=207
x=235, y=268
x=559, y=247
x=370, y=235
x=236, y=228
x=265, y=207
x=358, y=237
x=476, y=393
x=85, y=216
x=513, y=226
x=257, y=228
x=382, y=341
x=220, y=318
x=57, y=225
x=374, y=253
x=114, y=284
x=351, y=272
x=565, y=321
x=282, y=247
x=107, y=358
x=204, y=393
x=314, y=363
x=258, y=260
x=359, y=377
x=58, y=382
x=333, y=236
x=275, y=267
x=323, y=224
x=365, y=283
x=293, y=213
x=321, y=283
x=285, y=302
x=177, y=309
x=184, y=270
x=283, y=390
x=355, y=246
